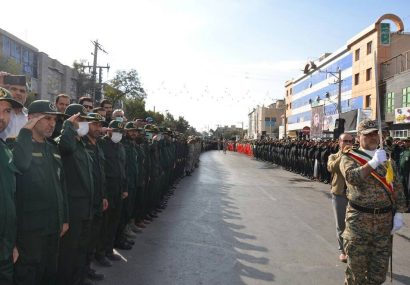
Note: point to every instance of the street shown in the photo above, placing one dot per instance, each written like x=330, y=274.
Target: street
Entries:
x=241, y=221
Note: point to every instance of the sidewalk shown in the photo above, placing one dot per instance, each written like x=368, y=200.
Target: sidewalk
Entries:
x=405, y=231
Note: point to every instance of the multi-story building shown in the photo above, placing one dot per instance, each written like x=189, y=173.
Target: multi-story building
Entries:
x=343, y=84
x=265, y=121
x=395, y=77
x=46, y=76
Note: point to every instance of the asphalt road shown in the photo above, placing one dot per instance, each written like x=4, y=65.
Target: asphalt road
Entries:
x=241, y=221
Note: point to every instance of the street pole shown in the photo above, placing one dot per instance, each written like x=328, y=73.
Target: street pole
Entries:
x=339, y=95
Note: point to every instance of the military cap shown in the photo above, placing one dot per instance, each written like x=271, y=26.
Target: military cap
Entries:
x=96, y=117
x=73, y=109
x=130, y=126
x=116, y=125
x=367, y=126
x=389, y=138
x=6, y=96
x=44, y=107
x=151, y=128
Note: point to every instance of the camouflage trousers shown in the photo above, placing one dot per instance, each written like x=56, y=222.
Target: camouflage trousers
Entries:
x=368, y=259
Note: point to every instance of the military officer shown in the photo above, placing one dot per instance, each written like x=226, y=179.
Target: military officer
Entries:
x=7, y=190
x=374, y=211
x=100, y=202
x=116, y=188
x=42, y=215
x=78, y=167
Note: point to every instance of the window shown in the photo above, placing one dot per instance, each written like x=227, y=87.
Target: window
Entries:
x=368, y=74
x=369, y=47
x=390, y=102
x=356, y=79
x=368, y=101
x=290, y=91
x=290, y=105
x=357, y=55
x=400, y=134
x=287, y=92
x=406, y=97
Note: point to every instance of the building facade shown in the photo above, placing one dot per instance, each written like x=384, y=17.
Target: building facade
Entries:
x=47, y=77
x=265, y=121
x=344, y=84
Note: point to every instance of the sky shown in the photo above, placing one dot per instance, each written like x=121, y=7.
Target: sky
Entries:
x=211, y=61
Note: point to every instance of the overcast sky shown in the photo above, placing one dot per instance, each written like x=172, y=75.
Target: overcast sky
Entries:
x=210, y=61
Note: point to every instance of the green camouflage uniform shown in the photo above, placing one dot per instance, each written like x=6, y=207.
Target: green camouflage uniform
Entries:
x=367, y=238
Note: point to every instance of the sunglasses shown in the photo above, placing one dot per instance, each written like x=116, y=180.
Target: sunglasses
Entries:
x=348, y=141
x=88, y=106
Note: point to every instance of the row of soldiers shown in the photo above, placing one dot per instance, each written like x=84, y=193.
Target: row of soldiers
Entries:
x=71, y=199
x=310, y=157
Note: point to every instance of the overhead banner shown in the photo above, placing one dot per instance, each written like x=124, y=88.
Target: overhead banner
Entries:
x=350, y=120
x=385, y=34
x=329, y=122
x=316, y=128
x=402, y=115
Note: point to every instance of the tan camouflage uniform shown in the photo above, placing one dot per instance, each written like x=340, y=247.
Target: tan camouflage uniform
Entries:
x=367, y=238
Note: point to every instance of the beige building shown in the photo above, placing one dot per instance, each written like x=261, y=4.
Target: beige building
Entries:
x=369, y=51
x=265, y=121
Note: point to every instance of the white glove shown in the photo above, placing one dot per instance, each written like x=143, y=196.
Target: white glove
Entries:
x=398, y=222
x=378, y=158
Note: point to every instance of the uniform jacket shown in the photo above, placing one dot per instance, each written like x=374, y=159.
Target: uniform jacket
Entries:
x=78, y=167
x=368, y=192
x=97, y=155
x=115, y=170
x=41, y=200
x=7, y=208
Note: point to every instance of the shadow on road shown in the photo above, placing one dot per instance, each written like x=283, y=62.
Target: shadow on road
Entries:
x=246, y=252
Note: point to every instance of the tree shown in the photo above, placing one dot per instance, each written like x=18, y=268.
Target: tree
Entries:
x=10, y=65
x=135, y=109
x=182, y=125
x=84, y=82
x=125, y=85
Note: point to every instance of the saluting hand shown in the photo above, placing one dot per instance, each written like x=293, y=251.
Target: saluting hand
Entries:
x=74, y=119
x=64, y=229
x=105, y=204
x=15, y=254
x=32, y=121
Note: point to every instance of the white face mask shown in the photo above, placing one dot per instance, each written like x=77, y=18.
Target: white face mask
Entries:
x=82, y=128
x=119, y=119
x=116, y=137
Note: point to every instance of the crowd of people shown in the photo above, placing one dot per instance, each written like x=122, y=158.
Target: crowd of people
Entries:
x=369, y=190
x=78, y=180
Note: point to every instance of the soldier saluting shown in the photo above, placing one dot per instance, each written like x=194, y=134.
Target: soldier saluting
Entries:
x=373, y=202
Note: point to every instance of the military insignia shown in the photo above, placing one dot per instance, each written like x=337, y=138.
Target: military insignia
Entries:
x=120, y=125
x=84, y=110
x=371, y=124
x=52, y=107
x=98, y=116
x=3, y=93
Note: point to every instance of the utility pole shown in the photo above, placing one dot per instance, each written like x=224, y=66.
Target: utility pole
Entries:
x=96, y=95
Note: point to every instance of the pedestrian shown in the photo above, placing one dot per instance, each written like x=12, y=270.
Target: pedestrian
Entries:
x=41, y=202
x=8, y=251
x=338, y=190
x=374, y=211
